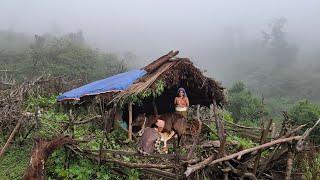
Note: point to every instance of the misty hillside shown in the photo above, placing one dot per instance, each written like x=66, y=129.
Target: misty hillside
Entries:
x=257, y=118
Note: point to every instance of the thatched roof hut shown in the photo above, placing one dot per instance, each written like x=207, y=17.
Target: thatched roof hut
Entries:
x=153, y=88
x=172, y=71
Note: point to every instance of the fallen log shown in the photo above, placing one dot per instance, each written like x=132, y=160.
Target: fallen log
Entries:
x=126, y=164
x=40, y=153
x=129, y=153
x=210, y=160
x=138, y=165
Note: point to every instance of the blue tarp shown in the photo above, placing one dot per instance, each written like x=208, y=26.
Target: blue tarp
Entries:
x=117, y=82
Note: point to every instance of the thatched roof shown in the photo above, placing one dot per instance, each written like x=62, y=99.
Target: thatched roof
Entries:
x=177, y=72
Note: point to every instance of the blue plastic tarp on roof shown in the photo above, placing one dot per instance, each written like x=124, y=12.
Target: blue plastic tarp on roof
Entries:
x=117, y=82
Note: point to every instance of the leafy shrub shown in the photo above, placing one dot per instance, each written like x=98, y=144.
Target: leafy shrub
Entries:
x=242, y=104
x=79, y=168
x=243, y=143
x=305, y=112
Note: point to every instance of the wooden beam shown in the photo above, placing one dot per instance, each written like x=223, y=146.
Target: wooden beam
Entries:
x=160, y=61
x=130, y=121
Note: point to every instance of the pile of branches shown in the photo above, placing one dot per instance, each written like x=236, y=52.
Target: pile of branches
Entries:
x=249, y=163
x=217, y=159
x=14, y=119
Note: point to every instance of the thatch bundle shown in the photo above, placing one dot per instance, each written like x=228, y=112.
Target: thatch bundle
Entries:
x=177, y=72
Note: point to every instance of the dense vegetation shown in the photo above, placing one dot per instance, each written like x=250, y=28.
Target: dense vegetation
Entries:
x=67, y=55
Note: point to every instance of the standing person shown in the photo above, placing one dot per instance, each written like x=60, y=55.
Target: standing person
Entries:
x=182, y=102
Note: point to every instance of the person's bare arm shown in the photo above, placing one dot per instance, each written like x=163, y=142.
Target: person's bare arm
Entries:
x=187, y=100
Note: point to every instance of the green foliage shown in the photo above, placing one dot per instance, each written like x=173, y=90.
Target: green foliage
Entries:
x=309, y=166
x=149, y=92
x=50, y=118
x=226, y=115
x=243, y=143
x=133, y=174
x=305, y=112
x=33, y=102
x=79, y=168
x=243, y=105
x=65, y=55
x=14, y=162
x=51, y=123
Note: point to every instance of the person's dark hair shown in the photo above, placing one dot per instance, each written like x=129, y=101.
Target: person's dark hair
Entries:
x=183, y=90
x=154, y=126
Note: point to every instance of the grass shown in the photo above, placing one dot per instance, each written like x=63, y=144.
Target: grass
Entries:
x=14, y=162
x=243, y=143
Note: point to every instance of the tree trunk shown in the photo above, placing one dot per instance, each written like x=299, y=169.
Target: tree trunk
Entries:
x=40, y=153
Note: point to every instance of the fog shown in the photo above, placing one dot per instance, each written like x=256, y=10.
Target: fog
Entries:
x=199, y=29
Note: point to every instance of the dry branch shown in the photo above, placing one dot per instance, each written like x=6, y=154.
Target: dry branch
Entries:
x=241, y=126
x=96, y=157
x=300, y=144
x=127, y=153
x=138, y=165
x=210, y=161
x=10, y=138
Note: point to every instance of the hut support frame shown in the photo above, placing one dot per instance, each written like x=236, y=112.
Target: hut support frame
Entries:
x=130, y=121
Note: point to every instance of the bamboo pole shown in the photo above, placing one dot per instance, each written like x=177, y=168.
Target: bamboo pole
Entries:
x=130, y=121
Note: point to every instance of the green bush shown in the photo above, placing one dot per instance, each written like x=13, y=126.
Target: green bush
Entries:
x=242, y=104
x=68, y=55
x=243, y=143
x=305, y=112
x=79, y=168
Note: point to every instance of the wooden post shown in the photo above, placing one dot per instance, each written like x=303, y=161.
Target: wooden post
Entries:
x=37, y=127
x=71, y=120
x=273, y=131
x=211, y=111
x=263, y=140
x=220, y=130
x=155, y=109
x=130, y=121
